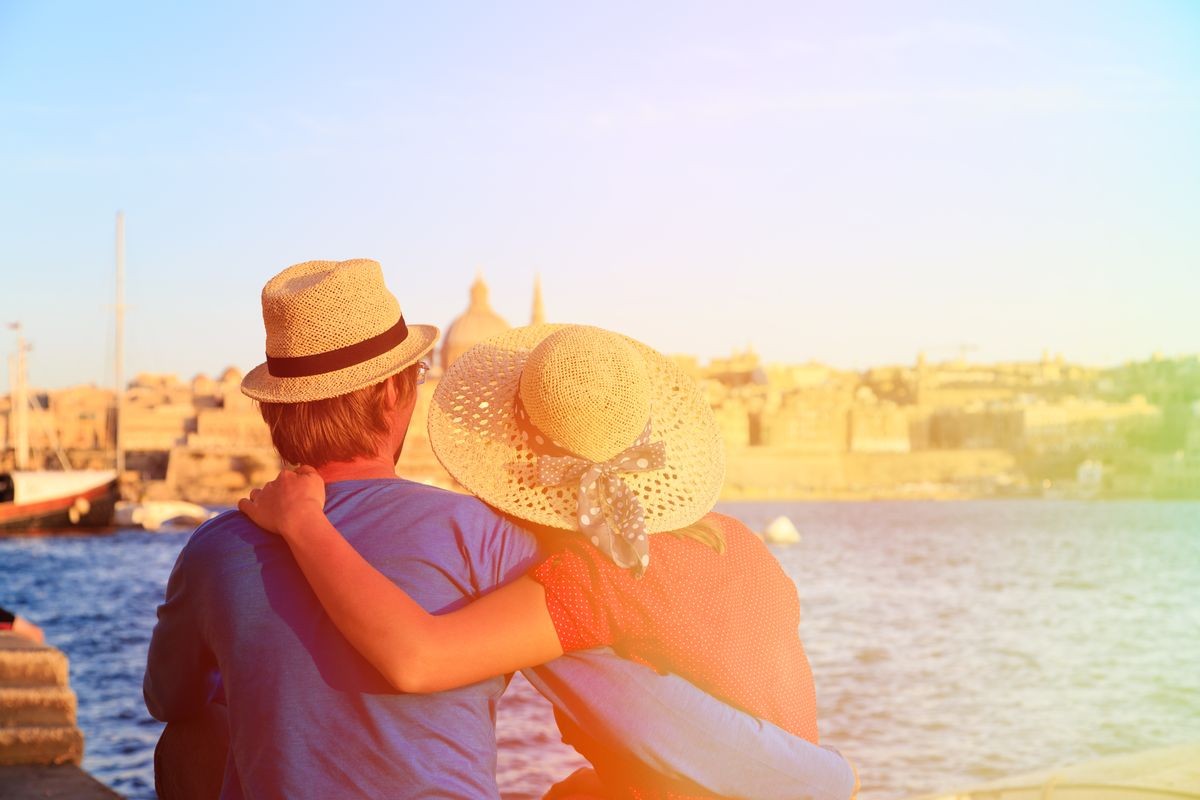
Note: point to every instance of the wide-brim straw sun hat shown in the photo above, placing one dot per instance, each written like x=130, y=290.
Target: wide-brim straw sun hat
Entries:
x=529, y=419
x=332, y=328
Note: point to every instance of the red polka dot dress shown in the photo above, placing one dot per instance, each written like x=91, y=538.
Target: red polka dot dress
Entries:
x=729, y=623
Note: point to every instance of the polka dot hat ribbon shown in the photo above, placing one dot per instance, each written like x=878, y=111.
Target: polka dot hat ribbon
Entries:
x=610, y=514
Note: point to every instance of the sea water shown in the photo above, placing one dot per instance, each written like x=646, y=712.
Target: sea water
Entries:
x=951, y=643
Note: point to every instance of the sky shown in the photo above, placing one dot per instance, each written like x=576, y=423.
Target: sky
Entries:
x=850, y=183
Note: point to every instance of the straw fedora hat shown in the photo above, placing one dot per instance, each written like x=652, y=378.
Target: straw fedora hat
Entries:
x=556, y=395
x=332, y=328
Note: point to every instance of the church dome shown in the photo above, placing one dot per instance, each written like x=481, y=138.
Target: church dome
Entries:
x=477, y=323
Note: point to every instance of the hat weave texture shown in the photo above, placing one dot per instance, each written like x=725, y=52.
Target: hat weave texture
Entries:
x=320, y=306
x=587, y=391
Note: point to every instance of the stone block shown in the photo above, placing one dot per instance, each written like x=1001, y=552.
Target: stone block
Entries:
x=41, y=745
x=24, y=663
x=37, y=707
x=46, y=706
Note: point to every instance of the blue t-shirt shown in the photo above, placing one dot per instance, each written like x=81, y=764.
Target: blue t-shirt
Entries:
x=308, y=715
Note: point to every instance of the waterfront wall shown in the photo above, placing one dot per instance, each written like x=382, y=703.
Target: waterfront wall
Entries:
x=41, y=746
x=37, y=706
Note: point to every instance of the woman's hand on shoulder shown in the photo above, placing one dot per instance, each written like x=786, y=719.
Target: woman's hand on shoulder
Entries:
x=288, y=504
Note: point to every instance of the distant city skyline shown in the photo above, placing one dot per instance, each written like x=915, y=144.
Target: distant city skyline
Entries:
x=850, y=183
x=943, y=355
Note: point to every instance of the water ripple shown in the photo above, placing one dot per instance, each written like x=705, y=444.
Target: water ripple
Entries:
x=951, y=643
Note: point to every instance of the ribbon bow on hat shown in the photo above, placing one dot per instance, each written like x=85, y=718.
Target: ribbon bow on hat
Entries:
x=610, y=513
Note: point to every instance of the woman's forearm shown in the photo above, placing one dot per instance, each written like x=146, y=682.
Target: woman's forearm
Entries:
x=501, y=632
x=415, y=651
x=378, y=618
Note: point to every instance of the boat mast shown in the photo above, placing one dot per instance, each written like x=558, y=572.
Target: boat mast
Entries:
x=20, y=403
x=119, y=361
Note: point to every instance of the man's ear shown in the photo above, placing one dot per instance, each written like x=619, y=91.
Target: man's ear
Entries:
x=392, y=393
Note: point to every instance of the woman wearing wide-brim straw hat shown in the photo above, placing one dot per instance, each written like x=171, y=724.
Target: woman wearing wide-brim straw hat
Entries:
x=525, y=418
x=608, y=450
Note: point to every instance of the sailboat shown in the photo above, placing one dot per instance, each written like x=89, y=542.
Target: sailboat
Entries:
x=59, y=501
x=45, y=500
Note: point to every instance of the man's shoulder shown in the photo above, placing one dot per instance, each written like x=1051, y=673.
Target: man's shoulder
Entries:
x=427, y=493
x=225, y=522
x=421, y=499
x=445, y=526
x=228, y=529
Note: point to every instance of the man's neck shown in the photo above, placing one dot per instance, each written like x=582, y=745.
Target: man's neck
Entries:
x=377, y=466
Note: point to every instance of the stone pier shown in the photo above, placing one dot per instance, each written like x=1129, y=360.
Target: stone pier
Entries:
x=40, y=745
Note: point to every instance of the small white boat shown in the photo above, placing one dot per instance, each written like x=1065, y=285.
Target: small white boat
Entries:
x=157, y=515
x=781, y=531
x=1172, y=772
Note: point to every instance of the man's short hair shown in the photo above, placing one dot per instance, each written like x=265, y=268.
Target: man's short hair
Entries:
x=338, y=428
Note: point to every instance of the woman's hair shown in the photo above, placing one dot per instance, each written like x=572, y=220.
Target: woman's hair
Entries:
x=337, y=428
x=703, y=531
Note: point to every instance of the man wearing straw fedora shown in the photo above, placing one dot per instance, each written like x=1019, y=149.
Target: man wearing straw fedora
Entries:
x=306, y=715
